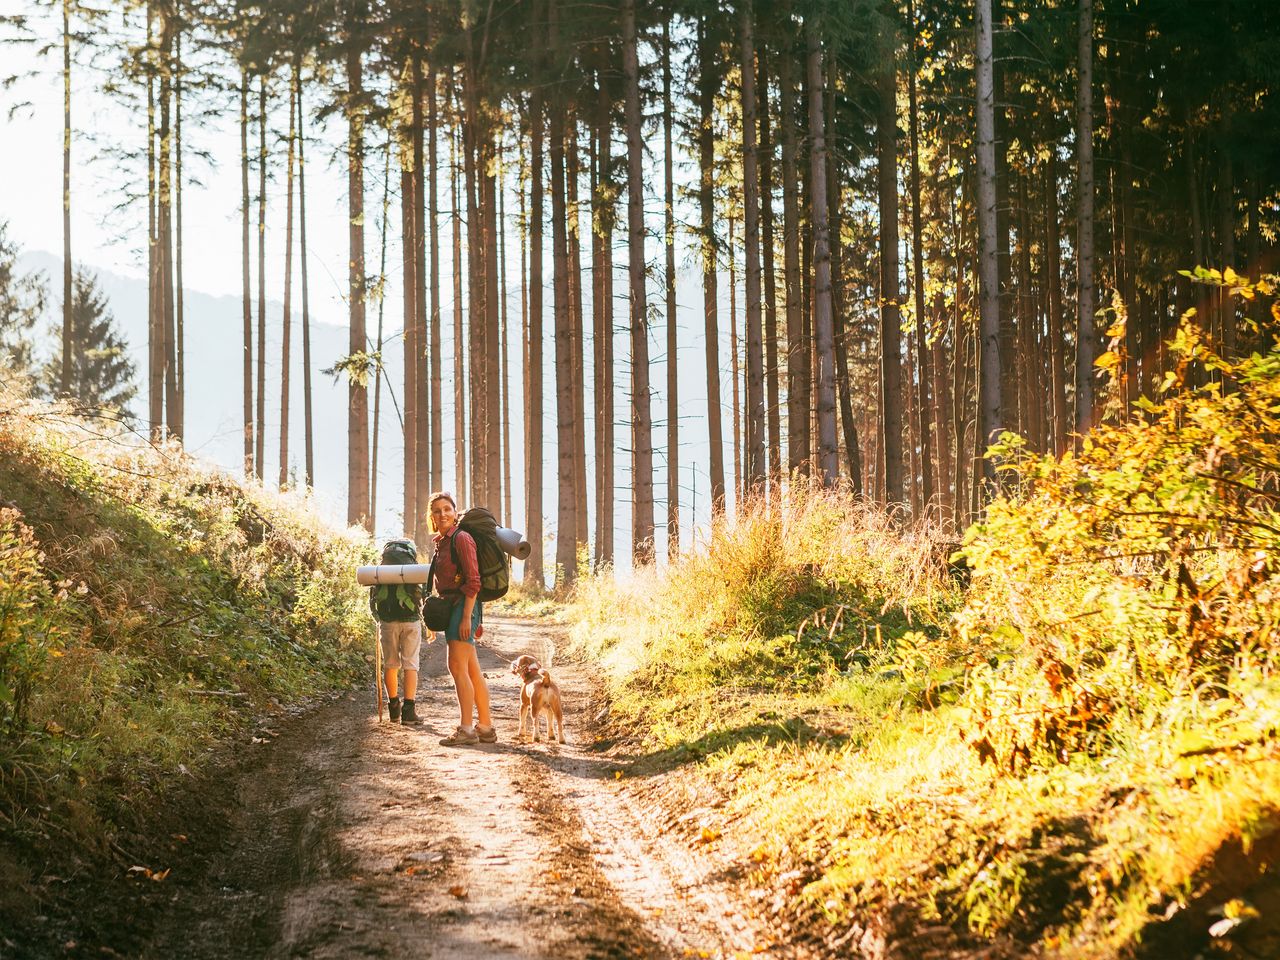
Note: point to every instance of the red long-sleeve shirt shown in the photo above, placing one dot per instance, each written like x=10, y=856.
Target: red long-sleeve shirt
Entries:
x=448, y=578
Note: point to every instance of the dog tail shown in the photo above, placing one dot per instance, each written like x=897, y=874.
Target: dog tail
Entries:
x=545, y=676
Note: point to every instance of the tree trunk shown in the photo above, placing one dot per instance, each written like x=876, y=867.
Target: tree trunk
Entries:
x=533, y=573
x=164, y=225
x=246, y=293
x=798, y=400
x=506, y=370
x=823, y=329
x=155, y=327
x=572, y=174
x=890, y=292
x=307, y=426
x=735, y=361
x=708, y=85
x=436, y=473
x=673, y=340
x=178, y=415
x=917, y=265
x=1086, y=336
x=261, y=413
x=1057, y=335
x=989, y=405
x=378, y=343
x=459, y=366
x=604, y=371
x=754, y=468
x=357, y=393
x=67, y=297
x=287, y=320
x=409, y=285
x=772, y=401
x=642, y=523
x=419, y=524
x=567, y=532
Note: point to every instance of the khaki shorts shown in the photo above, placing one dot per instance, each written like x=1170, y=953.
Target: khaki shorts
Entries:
x=400, y=645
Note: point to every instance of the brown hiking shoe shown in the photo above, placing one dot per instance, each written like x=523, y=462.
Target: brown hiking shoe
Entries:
x=461, y=738
x=487, y=734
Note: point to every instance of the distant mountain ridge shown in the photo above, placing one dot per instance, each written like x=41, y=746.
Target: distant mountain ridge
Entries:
x=213, y=335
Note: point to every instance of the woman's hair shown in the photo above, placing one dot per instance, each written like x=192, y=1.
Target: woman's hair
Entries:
x=442, y=495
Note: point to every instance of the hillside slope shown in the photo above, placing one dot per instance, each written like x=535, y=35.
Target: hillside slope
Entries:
x=151, y=610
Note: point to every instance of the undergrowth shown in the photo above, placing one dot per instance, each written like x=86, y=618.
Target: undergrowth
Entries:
x=1073, y=754
x=150, y=608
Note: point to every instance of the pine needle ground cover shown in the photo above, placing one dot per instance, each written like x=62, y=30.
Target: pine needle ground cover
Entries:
x=1077, y=755
x=150, y=609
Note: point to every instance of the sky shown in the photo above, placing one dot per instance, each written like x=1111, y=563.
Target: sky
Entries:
x=109, y=236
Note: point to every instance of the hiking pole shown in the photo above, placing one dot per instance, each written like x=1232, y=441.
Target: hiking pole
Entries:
x=377, y=668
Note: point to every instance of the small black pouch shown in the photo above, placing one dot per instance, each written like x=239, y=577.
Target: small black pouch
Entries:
x=436, y=612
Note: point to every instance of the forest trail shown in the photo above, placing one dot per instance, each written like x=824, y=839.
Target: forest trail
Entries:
x=358, y=839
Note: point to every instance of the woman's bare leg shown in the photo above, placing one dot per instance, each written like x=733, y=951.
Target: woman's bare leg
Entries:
x=480, y=688
x=459, y=656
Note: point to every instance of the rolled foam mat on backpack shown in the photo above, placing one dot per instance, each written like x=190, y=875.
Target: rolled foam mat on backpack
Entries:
x=393, y=573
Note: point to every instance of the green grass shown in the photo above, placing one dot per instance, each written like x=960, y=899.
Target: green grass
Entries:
x=150, y=609
x=1083, y=742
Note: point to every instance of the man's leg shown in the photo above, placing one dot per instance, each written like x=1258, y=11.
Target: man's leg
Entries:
x=411, y=684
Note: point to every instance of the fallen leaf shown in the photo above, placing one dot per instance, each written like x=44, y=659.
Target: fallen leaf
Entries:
x=708, y=834
x=459, y=892
x=161, y=875
x=617, y=774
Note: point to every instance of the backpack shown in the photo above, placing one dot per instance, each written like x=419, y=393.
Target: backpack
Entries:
x=397, y=603
x=494, y=564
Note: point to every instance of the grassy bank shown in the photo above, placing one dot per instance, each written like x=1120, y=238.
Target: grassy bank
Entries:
x=150, y=608
x=1076, y=754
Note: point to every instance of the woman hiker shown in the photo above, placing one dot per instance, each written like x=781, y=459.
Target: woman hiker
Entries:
x=462, y=583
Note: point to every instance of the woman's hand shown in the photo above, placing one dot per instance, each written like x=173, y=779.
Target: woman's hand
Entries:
x=464, y=627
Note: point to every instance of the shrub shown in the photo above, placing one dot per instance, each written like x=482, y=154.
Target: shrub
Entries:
x=1134, y=584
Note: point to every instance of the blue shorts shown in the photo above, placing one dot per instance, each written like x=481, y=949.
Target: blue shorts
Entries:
x=455, y=620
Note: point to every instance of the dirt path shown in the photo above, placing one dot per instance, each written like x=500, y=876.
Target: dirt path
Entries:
x=354, y=839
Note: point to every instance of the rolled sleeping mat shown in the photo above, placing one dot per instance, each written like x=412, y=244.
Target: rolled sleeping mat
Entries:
x=514, y=543
x=392, y=573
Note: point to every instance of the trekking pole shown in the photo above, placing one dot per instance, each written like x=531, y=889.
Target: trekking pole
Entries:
x=377, y=668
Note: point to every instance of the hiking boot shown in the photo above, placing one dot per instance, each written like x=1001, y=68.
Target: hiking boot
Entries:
x=461, y=738
x=409, y=714
x=487, y=734
x=393, y=709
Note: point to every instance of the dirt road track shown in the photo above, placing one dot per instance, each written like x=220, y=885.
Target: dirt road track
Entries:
x=354, y=839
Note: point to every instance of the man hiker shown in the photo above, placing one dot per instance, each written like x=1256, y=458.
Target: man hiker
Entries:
x=397, y=607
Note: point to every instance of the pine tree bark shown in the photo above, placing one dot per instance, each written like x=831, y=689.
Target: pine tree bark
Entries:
x=261, y=395
x=755, y=465
x=708, y=85
x=504, y=338
x=923, y=408
x=409, y=285
x=772, y=400
x=459, y=350
x=566, y=513
x=989, y=404
x=572, y=174
x=604, y=356
x=155, y=326
x=178, y=415
x=246, y=292
x=307, y=424
x=798, y=396
x=67, y=298
x=420, y=525
x=1086, y=335
x=533, y=572
x=287, y=319
x=436, y=472
x=673, y=340
x=642, y=522
x=164, y=222
x=823, y=329
x=890, y=292
x=357, y=393
x=735, y=357
x=1057, y=335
